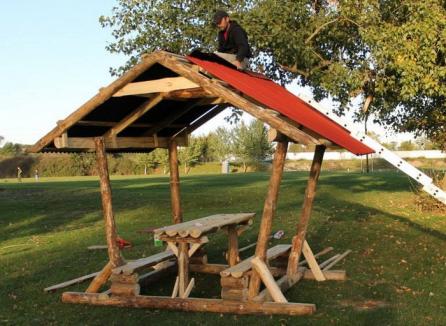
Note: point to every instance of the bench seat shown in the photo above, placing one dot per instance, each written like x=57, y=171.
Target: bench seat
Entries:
x=135, y=265
x=244, y=266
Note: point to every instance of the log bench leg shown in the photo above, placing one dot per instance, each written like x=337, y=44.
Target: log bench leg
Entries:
x=234, y=288
x=100, y=279
x=233, y=256
x=183, y=267
x=125, y=285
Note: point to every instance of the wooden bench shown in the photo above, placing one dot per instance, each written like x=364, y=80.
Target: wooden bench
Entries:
x=135, y=265
x=235, y=280
x=244, y=266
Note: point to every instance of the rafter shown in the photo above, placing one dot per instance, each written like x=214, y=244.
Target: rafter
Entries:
x=87, y=143
x=171, y=118
x=156, y=86
x=88, y=123
x=185, y=94
x=135, y=115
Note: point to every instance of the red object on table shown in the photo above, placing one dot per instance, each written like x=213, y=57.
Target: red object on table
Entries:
x=123, y=243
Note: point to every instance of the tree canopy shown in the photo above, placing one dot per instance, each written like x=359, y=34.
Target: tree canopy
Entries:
x=388, y=54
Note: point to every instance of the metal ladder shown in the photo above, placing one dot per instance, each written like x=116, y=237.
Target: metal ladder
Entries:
x=384, y=153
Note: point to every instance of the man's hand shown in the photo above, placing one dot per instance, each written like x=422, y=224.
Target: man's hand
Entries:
x=238, y=64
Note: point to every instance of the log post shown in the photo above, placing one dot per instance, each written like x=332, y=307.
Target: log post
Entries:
x=175, y=183
x=183, y=267
x=100, y=279
x=264, y=273
x=233, y=256
x=114, y=253
x=268, y=213
x=310, y=192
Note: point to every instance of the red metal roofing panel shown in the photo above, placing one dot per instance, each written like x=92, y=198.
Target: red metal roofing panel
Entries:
x=279, y=99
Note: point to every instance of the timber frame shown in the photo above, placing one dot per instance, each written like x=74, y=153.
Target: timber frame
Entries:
x=157, y=104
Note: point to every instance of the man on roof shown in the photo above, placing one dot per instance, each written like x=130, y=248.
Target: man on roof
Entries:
x=233, y=43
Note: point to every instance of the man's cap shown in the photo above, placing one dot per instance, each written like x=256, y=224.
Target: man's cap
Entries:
x=219, y=15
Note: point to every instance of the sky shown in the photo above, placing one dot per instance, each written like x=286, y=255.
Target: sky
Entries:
x=53, y=59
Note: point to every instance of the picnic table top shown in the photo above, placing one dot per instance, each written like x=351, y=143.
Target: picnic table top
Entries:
x=197, y=228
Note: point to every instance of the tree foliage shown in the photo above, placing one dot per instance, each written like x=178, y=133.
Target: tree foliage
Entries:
x=193, y=153
x=11, y=149
x=250, y=143
x=220, y=144
x=388, y=53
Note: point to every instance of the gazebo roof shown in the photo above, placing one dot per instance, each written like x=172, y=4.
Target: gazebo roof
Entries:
x=168, y=96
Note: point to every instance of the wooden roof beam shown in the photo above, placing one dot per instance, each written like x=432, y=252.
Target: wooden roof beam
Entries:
x=185, y=94
x=91, y=123
x=171, y=118
x=87, y=143
x=206, y=117
x=135, y=115
x=156, y=86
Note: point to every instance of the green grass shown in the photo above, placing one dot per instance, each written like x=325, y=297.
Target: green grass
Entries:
x=398, y=260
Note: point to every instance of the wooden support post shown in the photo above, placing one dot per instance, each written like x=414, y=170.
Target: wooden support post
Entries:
x=106, y=196
x=100, y=279
x=183, y=267
x=189, y=288
x=312, y=262
x=232, y=245
x=175, y=183
x=175, y=287
x=268, y=213
x=310, y=192
x=274, y=290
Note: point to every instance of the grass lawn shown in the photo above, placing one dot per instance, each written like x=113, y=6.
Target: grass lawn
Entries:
x=397, y=270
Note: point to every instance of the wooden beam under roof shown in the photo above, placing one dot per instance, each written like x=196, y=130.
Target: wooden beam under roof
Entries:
x=156, y=86
x=205, y=118
x=91, y=123
x=87, y=143
x=135, y=115
x=185, y=94
x=202, y=119
x=166, y=122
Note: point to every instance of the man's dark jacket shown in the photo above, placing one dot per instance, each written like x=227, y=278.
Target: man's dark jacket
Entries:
x=236, y=42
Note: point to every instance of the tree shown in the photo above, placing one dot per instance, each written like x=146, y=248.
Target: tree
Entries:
x=407, y=145
x=11, y=149
x=189, y=156
x=388, y=53
x=425, y=144
x=220, y=144
x=1, y=139
x=393, y=145
x=157, y=158
x=250, y=143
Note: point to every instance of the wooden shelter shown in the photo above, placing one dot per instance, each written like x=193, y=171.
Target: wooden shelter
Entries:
x=157, y=104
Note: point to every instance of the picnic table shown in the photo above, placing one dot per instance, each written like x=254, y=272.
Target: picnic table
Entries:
x=184, y=239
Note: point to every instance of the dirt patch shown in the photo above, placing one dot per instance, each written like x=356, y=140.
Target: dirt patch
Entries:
x=364, y=305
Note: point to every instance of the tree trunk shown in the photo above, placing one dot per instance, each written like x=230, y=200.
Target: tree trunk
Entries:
x=442, y=184
x=365, y=109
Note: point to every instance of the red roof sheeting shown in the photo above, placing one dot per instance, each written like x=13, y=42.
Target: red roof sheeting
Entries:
x=279, y=99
